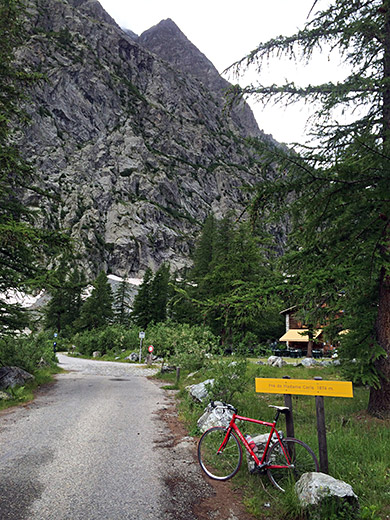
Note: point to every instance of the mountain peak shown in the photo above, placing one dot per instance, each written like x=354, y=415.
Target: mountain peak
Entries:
x=167, y=41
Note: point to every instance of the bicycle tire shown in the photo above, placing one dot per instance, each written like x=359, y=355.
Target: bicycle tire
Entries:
x=225, y=464
x=302, y=458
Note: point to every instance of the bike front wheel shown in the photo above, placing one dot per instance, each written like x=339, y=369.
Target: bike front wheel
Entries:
x=302, y=457
x=219, y=464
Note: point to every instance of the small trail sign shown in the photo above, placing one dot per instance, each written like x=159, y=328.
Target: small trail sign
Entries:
x=304, y=387
x=150, y=348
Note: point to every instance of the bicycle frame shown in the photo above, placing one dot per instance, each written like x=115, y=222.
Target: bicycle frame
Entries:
x=259, y=462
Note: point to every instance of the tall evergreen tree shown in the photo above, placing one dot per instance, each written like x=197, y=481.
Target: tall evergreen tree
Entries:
x=234, y=293
x=122, y=303
x=96, y=311
x=203, y=253
x=160, y=294
x=66, y=285
x=141, y=305
x=339, y=251
x=150, y=303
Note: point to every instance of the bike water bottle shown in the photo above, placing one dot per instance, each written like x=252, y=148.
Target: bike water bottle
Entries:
x=251, y=442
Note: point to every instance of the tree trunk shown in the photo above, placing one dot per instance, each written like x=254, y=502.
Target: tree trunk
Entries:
x=310, y=349
x=379, y=402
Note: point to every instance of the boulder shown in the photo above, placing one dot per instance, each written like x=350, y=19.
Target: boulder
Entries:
x=96, y=354
x=132, y=357
x=322, y=494
x=309, y=362
x=260, y=441
x=167, y=368
x=199, y=391
x=217, y=415
x=276, y=361
x=13, y=376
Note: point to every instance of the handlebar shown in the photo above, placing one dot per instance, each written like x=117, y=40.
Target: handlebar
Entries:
x=223, y=405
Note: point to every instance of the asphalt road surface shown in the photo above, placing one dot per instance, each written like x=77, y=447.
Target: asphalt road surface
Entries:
x=94, y=446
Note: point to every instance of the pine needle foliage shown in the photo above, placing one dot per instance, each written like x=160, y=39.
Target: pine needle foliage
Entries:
x=336, y=191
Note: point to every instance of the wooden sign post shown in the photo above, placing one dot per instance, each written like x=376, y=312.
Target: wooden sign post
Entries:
x=321, y=432
x=317, y=388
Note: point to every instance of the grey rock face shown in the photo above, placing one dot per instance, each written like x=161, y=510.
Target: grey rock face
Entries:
x=137, y=150
x=13, y=376
x=166, y=40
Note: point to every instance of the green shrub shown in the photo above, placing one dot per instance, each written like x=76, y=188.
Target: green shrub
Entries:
x=230, y=378
x=113, y=338
x=27, y=352
x=181, y=342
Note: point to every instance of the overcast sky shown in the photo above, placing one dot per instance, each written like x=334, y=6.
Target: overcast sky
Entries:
x=225, y=31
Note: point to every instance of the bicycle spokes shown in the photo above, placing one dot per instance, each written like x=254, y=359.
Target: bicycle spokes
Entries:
x=218, y=461
x=300, y=459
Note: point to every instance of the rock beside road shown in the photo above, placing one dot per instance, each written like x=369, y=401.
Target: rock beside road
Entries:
x=13, y=376
x=317, y=491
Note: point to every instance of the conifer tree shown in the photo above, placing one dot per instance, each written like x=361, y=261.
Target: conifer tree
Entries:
x=160, y=294
x=96, y=311
x=122, y=303
x=141, y=305
x=234, y=294
x=337, y=192
x=66, y=285
x=203, y=253
x=150, y=303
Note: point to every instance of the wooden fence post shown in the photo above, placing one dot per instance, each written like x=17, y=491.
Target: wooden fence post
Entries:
x=177, y=375
x=321, y=430
x=289, y=415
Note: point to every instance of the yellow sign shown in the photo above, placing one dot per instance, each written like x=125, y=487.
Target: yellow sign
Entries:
x=304, y=387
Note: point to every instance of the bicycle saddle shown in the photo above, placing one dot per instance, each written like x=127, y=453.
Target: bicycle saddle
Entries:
x=282, y=409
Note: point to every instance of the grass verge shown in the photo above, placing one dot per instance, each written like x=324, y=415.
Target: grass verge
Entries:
x=24, y=394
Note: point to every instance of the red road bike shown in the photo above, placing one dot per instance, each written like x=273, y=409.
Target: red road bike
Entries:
x=283, y=459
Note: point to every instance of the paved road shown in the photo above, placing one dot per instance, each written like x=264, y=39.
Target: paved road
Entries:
x=88, y=448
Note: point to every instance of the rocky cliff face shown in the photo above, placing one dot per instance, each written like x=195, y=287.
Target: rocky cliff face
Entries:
x=131, y=135
x=168, y=42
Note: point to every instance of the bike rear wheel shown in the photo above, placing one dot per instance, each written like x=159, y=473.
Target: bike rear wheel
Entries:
x=219, y=465
x=303, y=460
